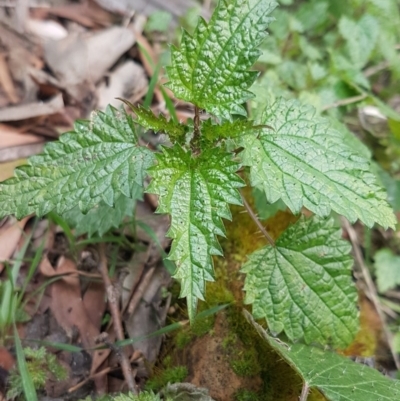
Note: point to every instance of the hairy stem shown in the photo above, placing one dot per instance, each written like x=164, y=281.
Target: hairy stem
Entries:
x=304, y=392
x=258, y=222
x=345, y=102
x=370, y=288
x=195, y=142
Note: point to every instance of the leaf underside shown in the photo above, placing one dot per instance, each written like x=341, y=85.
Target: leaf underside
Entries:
x=100, y=219
x=97, y=162
x=196, y=192
x=303, y=285
x=210, y=69
x=306, y=163
x=335, y=376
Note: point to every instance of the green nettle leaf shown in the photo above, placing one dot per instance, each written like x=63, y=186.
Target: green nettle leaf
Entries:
x=148, y=120
x=102, y=218
x=303, y=285
x=211, y=67
x=306, y=163
x=387, y=269
x=229, y=129
x=264, y=209
x=361, y=37
x=335, y=376
x=97, y=162
x=196, y=193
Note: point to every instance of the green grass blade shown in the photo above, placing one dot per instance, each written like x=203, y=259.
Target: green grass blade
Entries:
x=152, y=87
x=27, y=384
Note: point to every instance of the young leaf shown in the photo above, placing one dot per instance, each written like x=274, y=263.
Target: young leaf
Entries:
x=387, y=268
x=97, y=162
x=196, y=193
x=101, y=218
x=361, y=38
x=214, y=132
x=335, y=376
x=264, y=209
x=303, y=285
x=148, y=120
x=211, y=67
x=306, y=163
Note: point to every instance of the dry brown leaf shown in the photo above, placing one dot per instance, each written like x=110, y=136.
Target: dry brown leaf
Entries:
x=95, y=303
x=11, y=136
x=20, y=152
x=67, y=304
x=47, y=270
x=143, y=42
x=7, y=169
x=7, y=361
x=79, y=58
x=177, y=7
x=105, y=48
x=16, y=144
x=88, y=14
x=6, y=81
x=10, y=236
x=70, y=311
x=46, y=29
x=127, y=81
x=24, y=111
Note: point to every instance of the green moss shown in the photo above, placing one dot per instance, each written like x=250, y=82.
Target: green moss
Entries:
x=41, y=366
x=201, y=327
x=176, y=374
x=229, y=341
x=246, y=395
x=258, y=359
x=246, y=364
x=143, y=396
x=183, y=338
x=217, y=292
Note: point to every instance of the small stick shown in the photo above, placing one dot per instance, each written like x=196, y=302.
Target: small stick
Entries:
x=373, y=296
x=143, y=284
x=345, y=102
x=257, y=221
x=304, y=392
x=114, y=310
x=376, y=68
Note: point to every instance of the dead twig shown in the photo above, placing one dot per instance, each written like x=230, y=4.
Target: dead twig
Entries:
x=372, y=295
x=115, y=313
x=369, y=72
x=345, y=102
x=137, y=296
x=135, y=356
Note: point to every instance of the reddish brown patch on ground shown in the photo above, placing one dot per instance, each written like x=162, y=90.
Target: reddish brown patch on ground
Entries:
x=208, y=361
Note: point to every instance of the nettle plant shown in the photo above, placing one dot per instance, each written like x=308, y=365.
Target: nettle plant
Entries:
x=301, y=284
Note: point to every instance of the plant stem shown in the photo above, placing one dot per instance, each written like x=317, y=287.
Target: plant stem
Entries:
x=372, y=293
x=345, y=102
x=196, y=132
x=258, y=222
x=304, y=392
x=115, y=314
